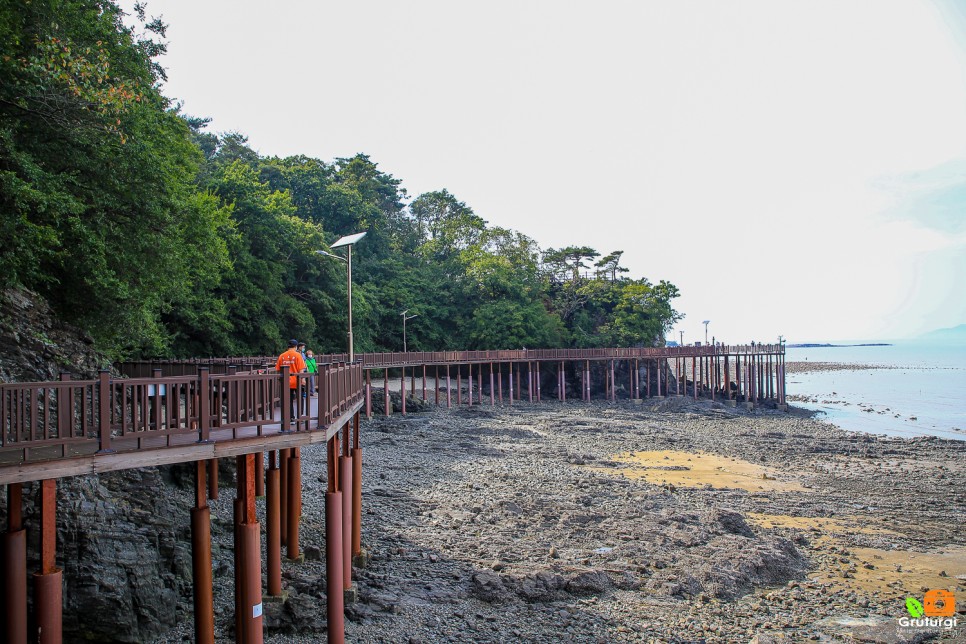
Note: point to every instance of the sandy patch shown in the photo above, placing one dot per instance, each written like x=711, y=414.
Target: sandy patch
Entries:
x=691, y=469
x=872, y=570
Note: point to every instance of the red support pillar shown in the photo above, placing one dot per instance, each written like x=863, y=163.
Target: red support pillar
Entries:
x=694, y=375
x=48, y=583
x=335, y=606
x=259, y=473
x=368, y=394
x=449, y=398
x=761, y=377
x=402, y=389
x=201, y=561
x=519, y=384
x=538, y=381
x=294, y=504
x=273, y=527
x=248, y=574
x=385, y=391
x=560, y=382
x=14, y=557
x=630, y=380
x=345, y=484
x=470, y=381
x=509, y=392
x=530, y=382
x=459, y=385
x=499, y=384
x=492, y=394
x=424, y=383
x=356, y=489
x=283, y=494
x=738, y=378
x=713, y=374
x=613, y=383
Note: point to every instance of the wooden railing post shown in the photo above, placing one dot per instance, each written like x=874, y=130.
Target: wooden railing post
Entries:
x=286, y=400
x=104, y=411
x=325, y=405
x=65, y=414
x=204, y=406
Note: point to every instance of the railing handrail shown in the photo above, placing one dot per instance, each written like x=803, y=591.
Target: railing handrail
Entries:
x=39, y=420
x=412, y=358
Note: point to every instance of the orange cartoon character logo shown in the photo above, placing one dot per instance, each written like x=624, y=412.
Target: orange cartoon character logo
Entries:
x=939, y=603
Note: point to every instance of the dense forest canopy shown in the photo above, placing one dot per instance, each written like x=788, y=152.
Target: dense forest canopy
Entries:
x=163, y=239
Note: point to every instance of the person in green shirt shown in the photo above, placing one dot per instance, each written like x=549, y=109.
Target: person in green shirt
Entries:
x=312, y=368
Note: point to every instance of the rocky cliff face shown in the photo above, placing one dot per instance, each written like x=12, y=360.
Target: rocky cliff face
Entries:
x=124, y=544
x=123, y=539
x=36, y=346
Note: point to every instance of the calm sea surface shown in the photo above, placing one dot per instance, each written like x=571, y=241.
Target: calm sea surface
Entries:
x=925, y=394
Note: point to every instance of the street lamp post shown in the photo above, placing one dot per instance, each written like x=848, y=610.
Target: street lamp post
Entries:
x=406, y=317
x=681, y=344
x=706, y=323
x=346, y=241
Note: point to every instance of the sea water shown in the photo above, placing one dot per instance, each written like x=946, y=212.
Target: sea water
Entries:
x=921, y=392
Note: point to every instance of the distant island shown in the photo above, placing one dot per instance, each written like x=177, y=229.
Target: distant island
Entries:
x=952, y=334
x=813, y=346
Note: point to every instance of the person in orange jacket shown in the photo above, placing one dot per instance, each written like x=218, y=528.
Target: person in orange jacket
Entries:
x=296, y=364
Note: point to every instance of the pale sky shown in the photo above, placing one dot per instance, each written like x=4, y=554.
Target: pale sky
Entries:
x=795, y=168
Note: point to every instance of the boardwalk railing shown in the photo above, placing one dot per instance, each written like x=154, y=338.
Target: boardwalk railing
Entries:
x=68, y=418
x=140, y=369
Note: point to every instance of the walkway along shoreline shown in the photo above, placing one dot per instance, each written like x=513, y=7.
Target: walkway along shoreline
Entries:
x=202, y=410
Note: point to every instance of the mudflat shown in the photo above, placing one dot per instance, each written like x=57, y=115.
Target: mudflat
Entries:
x=669, y=521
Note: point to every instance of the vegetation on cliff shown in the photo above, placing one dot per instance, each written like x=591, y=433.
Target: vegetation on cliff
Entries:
x=163, y=239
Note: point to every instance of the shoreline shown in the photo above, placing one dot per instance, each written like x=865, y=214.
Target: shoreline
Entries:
x=881, y=398
x=804, y=366
x=545, y=523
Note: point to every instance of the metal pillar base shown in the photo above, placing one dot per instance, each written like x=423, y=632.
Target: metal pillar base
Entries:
x=48, y=606
x=251, y=580
x=335, y=602
x=201, y=575
x=350, y=595
x=14, y=546
x=361, y=559
x=345, y=472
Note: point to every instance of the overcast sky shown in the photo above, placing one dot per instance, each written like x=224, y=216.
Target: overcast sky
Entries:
x=795, y=168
